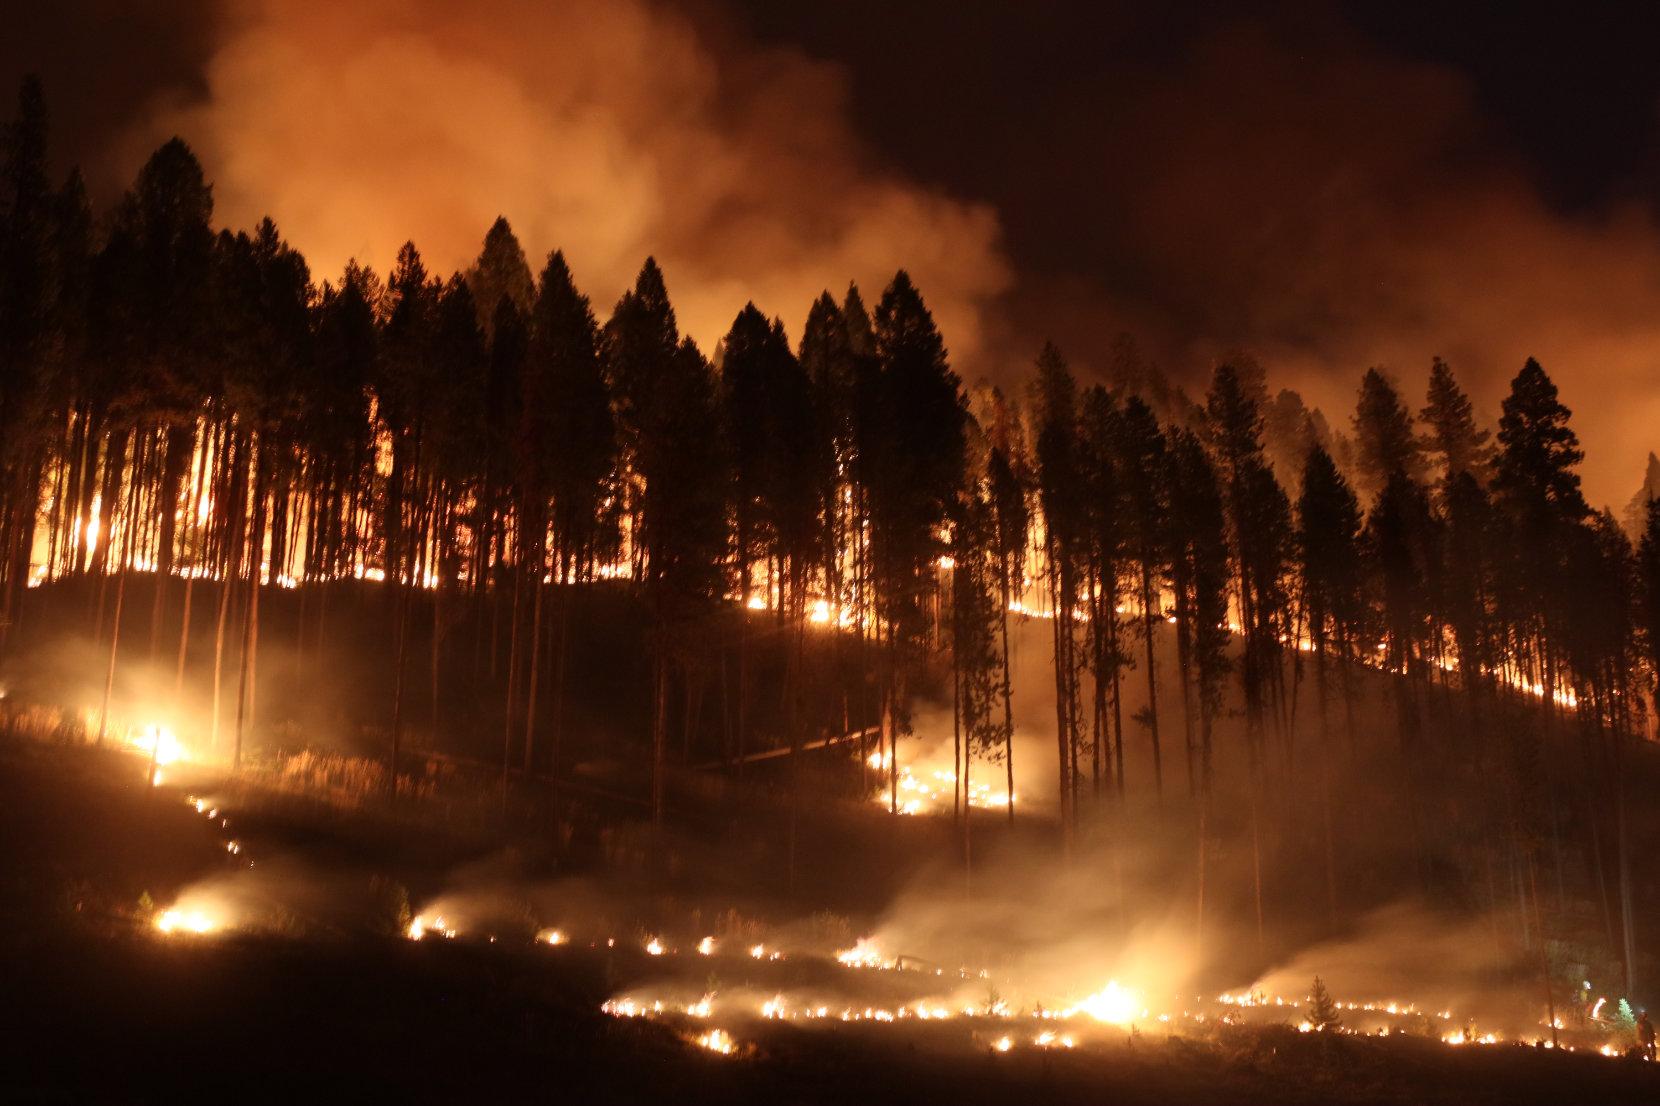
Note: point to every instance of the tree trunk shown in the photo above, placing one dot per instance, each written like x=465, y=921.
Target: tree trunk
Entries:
x=535, y=668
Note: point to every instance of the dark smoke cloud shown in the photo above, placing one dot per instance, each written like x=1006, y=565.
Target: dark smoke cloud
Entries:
x=1338, y=210
x=1286, y=186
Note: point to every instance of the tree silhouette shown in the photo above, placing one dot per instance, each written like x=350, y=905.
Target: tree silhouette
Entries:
x=1062, y=495
x=1328, y=539
x=1008, y=478
x=1384, y=439
x=501, y=272
x=668, y=394
x=915, y=455
x=1142, y=461
x=567, y=448
x=1453, y=438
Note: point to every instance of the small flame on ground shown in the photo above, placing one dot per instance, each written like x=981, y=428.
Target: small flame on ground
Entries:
x=863, y=954
x=422, y=925
x=718, y=1040
x=1113, y=1005
x=185, y=921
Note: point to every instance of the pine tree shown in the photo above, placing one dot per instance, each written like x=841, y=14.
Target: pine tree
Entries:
x=1106, y=560
x=1322, y=1011
x=1288, y=433
x=826, y=356
x=915, y=457
x=566, y=444
x=26, y=308
x=975, y=654
x=1007, y=478
x=1648, y=596
x=1328, y=533
x=1635, y=517
x=1402, y=551
x=670, y=412
x=1061, y=494
x=1538, y=450
x=1142, y=465
x=1383, y=435
x=501, y=272
x=1453, y=439
x=1259, y=518
x=1199, y=574
x=1537, y=486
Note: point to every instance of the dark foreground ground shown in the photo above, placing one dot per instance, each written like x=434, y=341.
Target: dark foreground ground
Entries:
x=97, y=1007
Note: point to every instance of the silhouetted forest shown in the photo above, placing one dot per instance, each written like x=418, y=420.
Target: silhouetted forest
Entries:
x=194, y=408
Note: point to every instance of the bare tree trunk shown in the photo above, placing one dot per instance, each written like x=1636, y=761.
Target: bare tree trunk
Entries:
x=659, y=729
x=250, y=628
x=564, y=596
x=959, y=798
x=1544, y=949
x=1199, y=921
x=512, y=684
x=1008, y=697
x=120, y=595
x=400, y=609
x=535, y=668
x=1325, y=779
x=1147, y=621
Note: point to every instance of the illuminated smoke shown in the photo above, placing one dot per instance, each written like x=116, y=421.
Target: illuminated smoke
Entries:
x=612, y=130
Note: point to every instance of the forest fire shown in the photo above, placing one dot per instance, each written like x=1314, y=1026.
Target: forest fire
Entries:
x=1112, y=1009
x=935, y=789
x=156, y=743
x=836, y=681
x=1112, y=1005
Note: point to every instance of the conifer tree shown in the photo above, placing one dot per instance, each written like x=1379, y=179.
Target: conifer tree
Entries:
x=1384, y=439
x=915, y=448
x=1453, y=438
x=1328, y=516
x=501, y=272
x=1007, y=478
x=1061, y=495
x=1322, y=1011
x=1142, y=465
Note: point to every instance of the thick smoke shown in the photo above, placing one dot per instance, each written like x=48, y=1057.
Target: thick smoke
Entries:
x=1276, y=182
x=609, y=130
x=1300, y=193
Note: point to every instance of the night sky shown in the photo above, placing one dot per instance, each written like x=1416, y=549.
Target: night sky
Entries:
x=1327, y=187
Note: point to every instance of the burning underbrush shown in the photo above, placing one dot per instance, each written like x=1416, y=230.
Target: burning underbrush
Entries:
x=1050, y=955
x=960, y=1008
x=1039, y=955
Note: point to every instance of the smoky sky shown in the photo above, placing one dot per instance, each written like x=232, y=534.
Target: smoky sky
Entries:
x=1327, y=186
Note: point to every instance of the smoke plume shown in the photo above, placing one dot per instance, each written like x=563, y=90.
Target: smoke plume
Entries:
x=610, y=130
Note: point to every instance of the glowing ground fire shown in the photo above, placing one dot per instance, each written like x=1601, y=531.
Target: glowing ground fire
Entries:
x=1114, y=1008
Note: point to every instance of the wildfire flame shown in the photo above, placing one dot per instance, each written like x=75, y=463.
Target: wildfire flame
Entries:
x=1113, y=1005
x=422, y=925
x=185, y=921
x=718, y=1040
